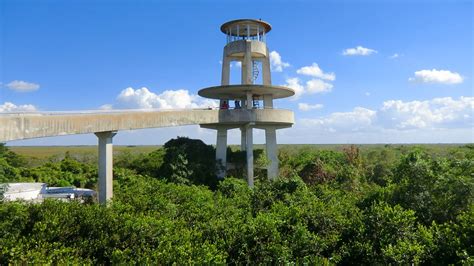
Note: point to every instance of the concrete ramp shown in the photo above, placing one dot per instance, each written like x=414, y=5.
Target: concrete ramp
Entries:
x=17, y=126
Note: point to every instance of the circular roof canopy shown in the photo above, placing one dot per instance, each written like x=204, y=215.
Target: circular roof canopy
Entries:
x=264, y=27
x=239, y=92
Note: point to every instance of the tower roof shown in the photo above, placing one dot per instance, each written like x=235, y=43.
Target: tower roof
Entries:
x=264, y=27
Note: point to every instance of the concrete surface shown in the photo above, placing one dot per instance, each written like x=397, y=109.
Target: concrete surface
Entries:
x=17, y=126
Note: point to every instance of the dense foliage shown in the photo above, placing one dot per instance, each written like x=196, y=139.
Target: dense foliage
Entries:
x=382, y=205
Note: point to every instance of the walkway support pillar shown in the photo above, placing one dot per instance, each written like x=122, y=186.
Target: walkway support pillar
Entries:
x=105, y=165
x=249, y=152
x=272, y=153
x=221, y=152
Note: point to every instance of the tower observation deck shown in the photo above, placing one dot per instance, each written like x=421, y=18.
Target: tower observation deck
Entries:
x=246, y=43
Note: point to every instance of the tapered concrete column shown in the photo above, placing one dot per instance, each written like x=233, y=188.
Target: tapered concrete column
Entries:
x=249, y=102
x=249, y=150
x=105, y=165
x=243, y=72
x=225, y=80
x=267, y=101
x=267, y=78
x=243, y=139
x=272, y=153
x=221, y=151
x=225, y=70
x=248, y=63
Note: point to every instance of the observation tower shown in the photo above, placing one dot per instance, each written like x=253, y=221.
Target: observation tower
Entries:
x=248, y=105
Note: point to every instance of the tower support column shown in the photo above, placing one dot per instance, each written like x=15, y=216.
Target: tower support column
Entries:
x=272, y=152
x=225, y=70
x=248, y=63
x=267, y=101
x=105, y=165
x=267, y=78
x=243, y=139
x=249, y=101
x=221, y=151
x=249, y=152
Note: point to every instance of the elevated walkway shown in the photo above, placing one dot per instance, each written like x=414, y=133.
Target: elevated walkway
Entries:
x=18, y=126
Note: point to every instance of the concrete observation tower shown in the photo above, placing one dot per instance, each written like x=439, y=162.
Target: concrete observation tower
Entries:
x=248, y=105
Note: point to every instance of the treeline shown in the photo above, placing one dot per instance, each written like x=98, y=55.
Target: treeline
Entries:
x=382, y=205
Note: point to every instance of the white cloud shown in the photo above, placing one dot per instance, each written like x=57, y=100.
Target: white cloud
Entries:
x=437, y=76
x=394, y=56
x=436, y=113
x=359, y=50
x=10, y=107
x=367, y=93
x=359, y=119
x=294, y=83
x=22, y=86
x=276, y=63
x=312, y=86
x=170, y=99
x=318, y=86
x=309, y=107
x=316, y=72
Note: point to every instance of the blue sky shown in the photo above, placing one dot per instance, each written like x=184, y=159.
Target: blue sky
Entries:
x=377, y=71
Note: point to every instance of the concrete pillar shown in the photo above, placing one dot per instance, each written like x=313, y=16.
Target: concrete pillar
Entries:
x=272, y=152
x=243, y=139
x=225, y=70
x=267, y=101
x=267, y=78
x=105, y=165
x=221, y=151
x=249, y=150
x=249, y=100
x=244, y=72
x=248, y=63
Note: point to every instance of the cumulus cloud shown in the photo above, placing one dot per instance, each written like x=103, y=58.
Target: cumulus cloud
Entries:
x=276, y=63
x=357, y=119
x=438, y=112
x=436, y=76
x=359, y=50
x=11, y=107
x=22, y=86
x=312, y=86
x=318, y=86
x=315, y=71
x=434, y=114
x=143, y=98
x=309, y=107
x=294, y=83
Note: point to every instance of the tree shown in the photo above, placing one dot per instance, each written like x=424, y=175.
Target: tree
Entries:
x=200, y=160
